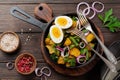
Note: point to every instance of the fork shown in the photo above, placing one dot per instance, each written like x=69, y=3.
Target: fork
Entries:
x=82, y=36
x=84, y=22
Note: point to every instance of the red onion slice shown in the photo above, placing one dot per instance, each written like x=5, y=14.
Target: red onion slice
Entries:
x=83, y=3
x=86, y=11
x=63, y=52
x=10, y=65
x=38, y=72
x=82, y=45
x=79, y=57
x=59, y=48
x=100, y=3
x=94, y=12
x=43, y=72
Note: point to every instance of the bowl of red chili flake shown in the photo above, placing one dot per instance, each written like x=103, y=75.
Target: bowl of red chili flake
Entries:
x=25, y=63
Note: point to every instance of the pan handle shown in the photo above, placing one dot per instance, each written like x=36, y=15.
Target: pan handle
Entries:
x=20, y=14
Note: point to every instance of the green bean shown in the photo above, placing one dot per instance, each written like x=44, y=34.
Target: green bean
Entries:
x=57, y=53
x=78, y=39
x=75, y=36
x=85, y=30
x=87, y=55
x=72, y=46
x=83, y=51
x=74, y=41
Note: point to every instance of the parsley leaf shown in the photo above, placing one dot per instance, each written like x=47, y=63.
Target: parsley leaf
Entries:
x=110, y=21
x=107, y=15
x=54, y=57
x=100, y=17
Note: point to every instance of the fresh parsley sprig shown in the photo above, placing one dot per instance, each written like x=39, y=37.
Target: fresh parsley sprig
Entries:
x=110, y=21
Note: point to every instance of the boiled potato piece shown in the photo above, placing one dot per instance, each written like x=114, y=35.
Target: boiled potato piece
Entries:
x=74, y=24
x=75, y=52
x=61, y=60
x=67, y=64
x=67, y=42
x=51, y=49
x=90, y=37
x=47, y=41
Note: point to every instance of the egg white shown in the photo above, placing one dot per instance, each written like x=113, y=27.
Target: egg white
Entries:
x=69, y=22
x=54, y=39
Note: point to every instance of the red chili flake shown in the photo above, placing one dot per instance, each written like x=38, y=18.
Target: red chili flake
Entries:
x=25, y=64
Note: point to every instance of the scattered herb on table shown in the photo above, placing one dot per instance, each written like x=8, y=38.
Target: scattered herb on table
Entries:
x=110, y=21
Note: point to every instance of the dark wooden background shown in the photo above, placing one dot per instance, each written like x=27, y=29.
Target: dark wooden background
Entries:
x=10, y=23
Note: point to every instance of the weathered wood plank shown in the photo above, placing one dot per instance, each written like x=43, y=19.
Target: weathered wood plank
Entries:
x=6, y=74
x=7, y=20
x=28, y=43
x=53, y=1
x=33, y=45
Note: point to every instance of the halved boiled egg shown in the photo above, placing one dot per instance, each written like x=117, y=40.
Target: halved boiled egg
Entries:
x=56, y=34
x=63, y=21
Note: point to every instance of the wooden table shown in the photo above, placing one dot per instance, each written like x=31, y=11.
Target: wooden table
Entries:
x=10, y=23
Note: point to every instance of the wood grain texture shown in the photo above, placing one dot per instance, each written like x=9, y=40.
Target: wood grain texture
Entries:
x=53, y=1
x=6, y=74
x=43, y=12
x=29, y=42
x=10, y=23
x=7, y=20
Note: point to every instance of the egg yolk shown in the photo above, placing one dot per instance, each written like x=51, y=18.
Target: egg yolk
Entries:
x=62, y=21
x=56, y=32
